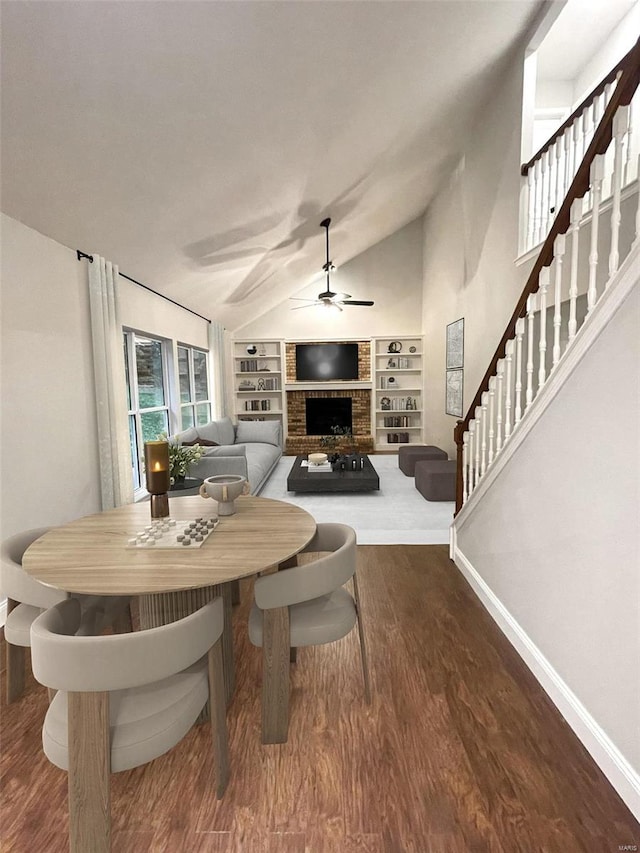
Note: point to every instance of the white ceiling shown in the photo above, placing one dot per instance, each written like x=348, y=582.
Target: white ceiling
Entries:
x=199, y=144
x=581, y=27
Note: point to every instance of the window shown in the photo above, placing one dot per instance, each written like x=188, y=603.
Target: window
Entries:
x=193, y=377
x=147, y=396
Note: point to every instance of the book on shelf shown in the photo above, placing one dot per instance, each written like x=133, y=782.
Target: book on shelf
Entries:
x=257, y=405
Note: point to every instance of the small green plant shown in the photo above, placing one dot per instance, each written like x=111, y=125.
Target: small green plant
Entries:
x=181, y=458
x=338, y=434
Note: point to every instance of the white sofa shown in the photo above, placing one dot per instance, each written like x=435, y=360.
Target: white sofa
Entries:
x=251, y=448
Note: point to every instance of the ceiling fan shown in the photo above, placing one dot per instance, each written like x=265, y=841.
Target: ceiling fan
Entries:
x=328, y=298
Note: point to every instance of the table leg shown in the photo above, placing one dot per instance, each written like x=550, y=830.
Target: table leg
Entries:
x=162, y=608
x=275, y=675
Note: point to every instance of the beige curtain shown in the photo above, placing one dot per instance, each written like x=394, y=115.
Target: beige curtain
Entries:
x=110, y=385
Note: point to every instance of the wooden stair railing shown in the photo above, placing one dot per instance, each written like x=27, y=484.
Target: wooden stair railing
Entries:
x=567, y=219
x=551, y=169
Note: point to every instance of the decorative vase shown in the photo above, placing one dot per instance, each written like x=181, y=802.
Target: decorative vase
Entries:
x=224, y=488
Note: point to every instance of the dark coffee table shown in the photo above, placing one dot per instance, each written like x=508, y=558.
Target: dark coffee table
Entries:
x=363, y=480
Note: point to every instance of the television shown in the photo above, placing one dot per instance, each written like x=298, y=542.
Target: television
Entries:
x=326, y=362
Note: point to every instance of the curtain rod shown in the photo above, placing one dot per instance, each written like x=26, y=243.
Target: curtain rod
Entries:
x=80, y=255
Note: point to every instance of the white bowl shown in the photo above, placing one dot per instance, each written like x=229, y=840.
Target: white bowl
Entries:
x=317, y=458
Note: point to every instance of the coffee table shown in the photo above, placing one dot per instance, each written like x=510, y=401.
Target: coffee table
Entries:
x=363, y=480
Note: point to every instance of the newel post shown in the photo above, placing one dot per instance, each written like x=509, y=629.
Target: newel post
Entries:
x=457, y=435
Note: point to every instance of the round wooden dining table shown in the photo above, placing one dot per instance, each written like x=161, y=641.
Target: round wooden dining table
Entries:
x=92, y=555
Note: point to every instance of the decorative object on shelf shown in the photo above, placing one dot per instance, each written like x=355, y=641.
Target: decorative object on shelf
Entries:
x=454, y=388
x=395, y=346
x=246, y=385
x=385, y=403
x=455, y=344
x=412, y=349
x=156, y=464
x=392, y=364
x=391, y=380
x=262, y=350
x=261, y=386
x=412, y=403
x=252, y=349
x=328, y=298
x=224, y=488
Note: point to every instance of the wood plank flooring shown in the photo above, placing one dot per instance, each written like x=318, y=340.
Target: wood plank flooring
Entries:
x=460, y=752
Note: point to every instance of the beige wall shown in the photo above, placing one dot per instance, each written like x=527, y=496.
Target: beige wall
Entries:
x=48, y=457
x=470, y=244
x=390, y=273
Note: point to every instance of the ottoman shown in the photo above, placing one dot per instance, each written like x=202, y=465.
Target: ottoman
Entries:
x=436, y=479
x=412, y=453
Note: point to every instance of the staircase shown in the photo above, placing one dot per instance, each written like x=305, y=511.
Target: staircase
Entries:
x=547, y=503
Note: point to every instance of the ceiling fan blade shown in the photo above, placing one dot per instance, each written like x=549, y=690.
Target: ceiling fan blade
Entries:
x=300, y=307
x=302, y=299
x=357, y=302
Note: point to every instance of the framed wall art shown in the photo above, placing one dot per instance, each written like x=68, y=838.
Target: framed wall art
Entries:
x=454, y=387
x=455, y=344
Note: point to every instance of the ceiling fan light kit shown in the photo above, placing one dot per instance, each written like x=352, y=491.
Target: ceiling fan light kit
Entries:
x=328, y=298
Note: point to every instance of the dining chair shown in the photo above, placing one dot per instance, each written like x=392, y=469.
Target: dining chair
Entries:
x=320, y=610
x=28, y=597
x=146, y=693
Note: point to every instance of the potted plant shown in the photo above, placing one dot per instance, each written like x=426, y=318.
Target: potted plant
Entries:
x=338, y=434
x=181, y=458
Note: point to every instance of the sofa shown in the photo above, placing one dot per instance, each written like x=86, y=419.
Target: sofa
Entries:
x=250, y=448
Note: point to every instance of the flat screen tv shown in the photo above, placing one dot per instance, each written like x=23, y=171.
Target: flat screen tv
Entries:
x=326, y=362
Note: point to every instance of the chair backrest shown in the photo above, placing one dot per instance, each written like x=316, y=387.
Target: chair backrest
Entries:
x=304, y=583
x=15, y=583
x=115, y=662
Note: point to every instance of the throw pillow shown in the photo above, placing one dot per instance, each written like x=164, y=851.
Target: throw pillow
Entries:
x=266, y=432
x=187, y=436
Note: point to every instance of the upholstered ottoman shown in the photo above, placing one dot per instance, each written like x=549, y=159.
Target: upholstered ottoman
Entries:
x=436, y=479
x=412, y=453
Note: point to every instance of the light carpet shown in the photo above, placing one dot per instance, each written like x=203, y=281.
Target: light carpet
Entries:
x=397, y=514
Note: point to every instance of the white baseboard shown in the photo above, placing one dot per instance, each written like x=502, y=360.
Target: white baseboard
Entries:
x=607, y=756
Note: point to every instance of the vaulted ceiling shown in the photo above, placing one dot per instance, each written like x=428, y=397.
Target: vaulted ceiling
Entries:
x=199, y=144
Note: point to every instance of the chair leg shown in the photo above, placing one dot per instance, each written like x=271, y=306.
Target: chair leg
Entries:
x=227, y=641
x=89, y=772
x=275, y=675
x=15, y=672
x=363, y=647
x=217, y=709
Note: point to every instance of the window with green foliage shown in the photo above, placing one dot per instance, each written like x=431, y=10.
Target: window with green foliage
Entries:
x=147, y=395
x=193, y=375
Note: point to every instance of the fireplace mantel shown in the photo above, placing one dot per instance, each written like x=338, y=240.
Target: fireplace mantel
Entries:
x=328, y=386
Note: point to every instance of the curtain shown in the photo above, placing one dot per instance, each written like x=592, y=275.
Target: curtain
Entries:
x=218, y=367
x=114, y=447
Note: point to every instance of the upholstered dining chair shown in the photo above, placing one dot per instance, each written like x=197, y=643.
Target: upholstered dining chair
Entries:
x=320, y=609
x=27, y=598
x=123, y=700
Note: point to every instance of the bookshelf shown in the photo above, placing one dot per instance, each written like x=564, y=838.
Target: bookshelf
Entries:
x=397, y=399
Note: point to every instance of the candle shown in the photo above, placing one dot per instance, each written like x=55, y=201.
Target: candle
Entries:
x=156, y=459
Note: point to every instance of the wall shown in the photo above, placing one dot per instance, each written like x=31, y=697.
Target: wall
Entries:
x=470, y=244
x=49, y=462
x=49, y=456
x=556, y=537
x=390, y=273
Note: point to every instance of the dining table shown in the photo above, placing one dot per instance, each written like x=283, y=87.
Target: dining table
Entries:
x=95, y=555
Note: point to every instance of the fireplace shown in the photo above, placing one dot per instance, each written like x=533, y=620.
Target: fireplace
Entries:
x=326, y=415
x=304, y=437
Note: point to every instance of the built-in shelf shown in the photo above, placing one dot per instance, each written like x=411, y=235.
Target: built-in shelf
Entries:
x=247, y=366
x=406, y=366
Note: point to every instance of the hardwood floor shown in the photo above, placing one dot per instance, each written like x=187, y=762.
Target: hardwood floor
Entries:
x=460, y=752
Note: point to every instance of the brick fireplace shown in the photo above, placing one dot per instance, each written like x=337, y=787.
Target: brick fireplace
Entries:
x=298, y=441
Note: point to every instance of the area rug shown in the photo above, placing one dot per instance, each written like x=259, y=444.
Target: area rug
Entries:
x=397, y=514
